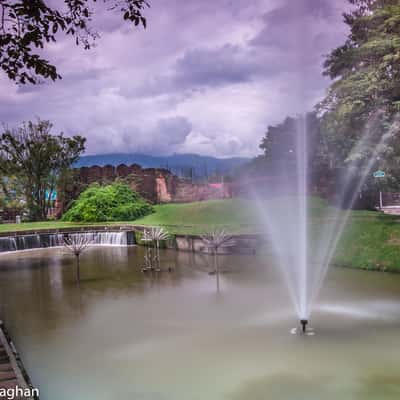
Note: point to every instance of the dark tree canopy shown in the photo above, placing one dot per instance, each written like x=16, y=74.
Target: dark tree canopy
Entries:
x=281, y=143
x=366, y=68
x=38, y=159
x=27, y=26
x=364, y=99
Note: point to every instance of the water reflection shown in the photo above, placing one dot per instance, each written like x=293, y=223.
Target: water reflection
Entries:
x=185, y=335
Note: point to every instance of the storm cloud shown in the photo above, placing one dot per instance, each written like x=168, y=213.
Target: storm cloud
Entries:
x=205, y=77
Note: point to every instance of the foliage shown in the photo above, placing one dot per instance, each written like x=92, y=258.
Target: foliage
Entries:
x=11, y=194
x=27, y=26
x=280, y=143
x=37, y=159
x=364, y=99
x=116, y=202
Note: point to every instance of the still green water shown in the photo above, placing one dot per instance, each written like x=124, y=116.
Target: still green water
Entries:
x=176, y=336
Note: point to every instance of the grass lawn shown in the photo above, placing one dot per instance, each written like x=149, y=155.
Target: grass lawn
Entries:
x=370, y=240
x=234, y=215
x=372, y=243
x=45, y=225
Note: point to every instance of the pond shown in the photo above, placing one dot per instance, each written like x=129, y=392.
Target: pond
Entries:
x=177, y=336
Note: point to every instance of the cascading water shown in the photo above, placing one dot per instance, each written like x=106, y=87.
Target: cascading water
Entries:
x=105, y=238
x=8, y=244
x=28, y=242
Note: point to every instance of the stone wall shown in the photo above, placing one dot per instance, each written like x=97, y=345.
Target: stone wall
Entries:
x=156, y=185
x=187, y=192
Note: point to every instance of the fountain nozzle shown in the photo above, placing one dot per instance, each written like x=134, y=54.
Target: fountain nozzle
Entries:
x=303, y=323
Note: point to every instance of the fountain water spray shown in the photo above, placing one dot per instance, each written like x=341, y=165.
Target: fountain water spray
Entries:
x=304, y=246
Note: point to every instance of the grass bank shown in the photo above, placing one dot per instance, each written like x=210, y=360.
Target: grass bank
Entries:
x=44, y=225
x=234, y=215
x=370, y=243
x=370, y=240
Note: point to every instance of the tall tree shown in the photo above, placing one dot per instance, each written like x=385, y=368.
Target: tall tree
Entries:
x=363, y=102
x=38, y=159
x=27, y=26
x=281, y=141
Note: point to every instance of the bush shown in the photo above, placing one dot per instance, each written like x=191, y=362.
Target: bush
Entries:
x=116, y=202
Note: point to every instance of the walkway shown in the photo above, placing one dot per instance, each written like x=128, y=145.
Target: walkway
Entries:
x=11, y=371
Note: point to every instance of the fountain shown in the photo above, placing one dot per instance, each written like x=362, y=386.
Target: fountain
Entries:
x=303, y=323
x=304, y=246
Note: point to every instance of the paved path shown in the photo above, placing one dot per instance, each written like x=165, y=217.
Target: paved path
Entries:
x=11, y=374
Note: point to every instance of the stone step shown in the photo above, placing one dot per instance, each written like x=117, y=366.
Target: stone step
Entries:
x=6, y=367
x=7, y=375
x=11, y=383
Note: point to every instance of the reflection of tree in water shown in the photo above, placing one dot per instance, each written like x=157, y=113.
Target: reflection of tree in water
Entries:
x=43, y=292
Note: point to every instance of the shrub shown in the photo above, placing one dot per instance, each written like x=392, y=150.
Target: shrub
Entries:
x=116, y=202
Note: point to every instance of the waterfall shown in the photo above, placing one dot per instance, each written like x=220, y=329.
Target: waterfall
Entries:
x=8, y=244
x=104, y=238
x=37, y=241
x=28, y=242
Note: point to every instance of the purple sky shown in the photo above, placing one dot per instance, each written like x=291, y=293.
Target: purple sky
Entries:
x=206, y=77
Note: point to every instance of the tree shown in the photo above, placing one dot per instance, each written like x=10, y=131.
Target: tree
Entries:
x=76, y=244
x=27, y=26
x=115, y=202
x=280, y=142
x=364, y=99
x=11, y=194
x=38, y=159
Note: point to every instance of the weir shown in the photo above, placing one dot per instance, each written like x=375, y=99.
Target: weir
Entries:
x=45, y=240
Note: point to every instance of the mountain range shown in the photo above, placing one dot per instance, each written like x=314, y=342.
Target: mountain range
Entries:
x=194, y=165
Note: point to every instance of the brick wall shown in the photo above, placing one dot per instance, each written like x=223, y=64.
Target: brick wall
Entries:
x=156, y=185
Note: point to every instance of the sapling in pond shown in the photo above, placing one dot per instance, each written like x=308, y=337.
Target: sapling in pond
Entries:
x=153, y=236
x=76, y=244
x=213, y=241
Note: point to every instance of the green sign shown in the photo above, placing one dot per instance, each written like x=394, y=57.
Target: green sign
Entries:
x=379, y=174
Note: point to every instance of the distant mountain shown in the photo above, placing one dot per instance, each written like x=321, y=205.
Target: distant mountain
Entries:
x=180, y=164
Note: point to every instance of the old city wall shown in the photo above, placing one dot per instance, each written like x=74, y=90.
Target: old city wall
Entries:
x=156, y=185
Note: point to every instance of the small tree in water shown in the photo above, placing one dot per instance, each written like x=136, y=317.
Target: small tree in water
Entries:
x=213, y=241
x=154, y=236
x=76, y=244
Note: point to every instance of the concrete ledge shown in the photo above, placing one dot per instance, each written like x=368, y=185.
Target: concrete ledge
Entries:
x=242, y=244
x=76, y=229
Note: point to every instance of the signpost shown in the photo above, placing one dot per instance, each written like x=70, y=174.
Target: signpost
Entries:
x=379, y=174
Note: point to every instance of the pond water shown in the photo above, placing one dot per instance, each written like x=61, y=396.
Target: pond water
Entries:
x=123, y=334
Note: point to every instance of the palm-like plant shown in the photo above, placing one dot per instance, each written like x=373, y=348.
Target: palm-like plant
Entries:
x=153, y=236
x=213, y=241
x=216, y=239
x=76, y=244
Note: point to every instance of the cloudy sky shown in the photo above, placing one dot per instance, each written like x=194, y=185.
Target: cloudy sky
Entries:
x=206, y=76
